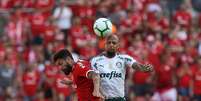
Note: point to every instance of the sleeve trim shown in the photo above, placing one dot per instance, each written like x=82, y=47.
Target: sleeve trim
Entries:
x=88, y=72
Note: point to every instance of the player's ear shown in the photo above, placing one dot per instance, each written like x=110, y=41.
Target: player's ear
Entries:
x=69, y=59
x=118, y=45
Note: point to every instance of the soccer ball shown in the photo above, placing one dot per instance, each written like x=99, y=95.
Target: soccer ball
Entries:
x=102, y=27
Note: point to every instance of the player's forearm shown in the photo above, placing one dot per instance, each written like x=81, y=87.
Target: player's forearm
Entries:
x=137, y=66
x=96, y=82
x=142, y=67
x=96, y=79
x=67, y=82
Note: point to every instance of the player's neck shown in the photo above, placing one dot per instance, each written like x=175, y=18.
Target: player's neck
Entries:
x=110, y=54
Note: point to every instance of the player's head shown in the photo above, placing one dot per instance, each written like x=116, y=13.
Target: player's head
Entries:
x=112, y=44
x=64, y=59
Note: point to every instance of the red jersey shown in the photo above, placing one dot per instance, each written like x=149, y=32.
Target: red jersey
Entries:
x=84, y=85
x=184, y=80
x=197, y=81
x=183, y=17
x=140, y=77
x=49, y=34
x=6, y=4
x=50, y=72
x=47, y=4
x=30, y=82
x=61, y=88
x=164, y=81
x=37, y=23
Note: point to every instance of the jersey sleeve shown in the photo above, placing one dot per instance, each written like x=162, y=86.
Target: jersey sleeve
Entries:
x=83, y=69
x=129, y=60
x=56, y=13
x=94, y=65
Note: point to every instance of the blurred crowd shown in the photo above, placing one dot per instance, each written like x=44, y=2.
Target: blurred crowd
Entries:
x=165, y=33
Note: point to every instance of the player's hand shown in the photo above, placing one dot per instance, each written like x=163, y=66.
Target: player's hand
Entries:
x=147, y=68
x=66, y=81
x=98, y=94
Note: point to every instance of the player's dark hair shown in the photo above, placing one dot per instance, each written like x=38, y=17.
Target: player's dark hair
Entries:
x=62, y=54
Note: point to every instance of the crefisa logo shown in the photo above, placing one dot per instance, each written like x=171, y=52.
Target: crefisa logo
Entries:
x=110, y=75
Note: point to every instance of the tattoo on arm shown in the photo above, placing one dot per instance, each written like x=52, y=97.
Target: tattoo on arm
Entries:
x=142, y=67
x=136, y=66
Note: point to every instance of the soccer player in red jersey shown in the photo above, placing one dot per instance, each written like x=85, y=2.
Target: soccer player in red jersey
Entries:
x=86, y=80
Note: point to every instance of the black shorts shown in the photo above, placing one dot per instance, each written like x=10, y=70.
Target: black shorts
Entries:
x=197, y=97
x=116, y=99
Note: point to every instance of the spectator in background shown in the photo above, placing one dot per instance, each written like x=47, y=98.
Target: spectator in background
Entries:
x=102, y=10
x=142, y=83
x=63, y=16
x=50, y=73
x=17, y=26
x=40, y=95
x=75, y=32
x=28, y=28
x=184, y=76
x=87, y=14
x=117, y=15
x=62, y=91
x=30, y=82
x=182, y=17
x=5, y=5
x=7, y=76
x=45, y=7
x=37, y=23
x=196, y=85
x=165, y=84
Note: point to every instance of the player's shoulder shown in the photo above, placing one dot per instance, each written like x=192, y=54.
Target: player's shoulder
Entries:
x=81, y=62
x=122, y=55
x=98, y=57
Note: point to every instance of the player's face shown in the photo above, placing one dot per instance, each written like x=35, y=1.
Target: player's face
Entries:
x=66, y=65
x=112, y=45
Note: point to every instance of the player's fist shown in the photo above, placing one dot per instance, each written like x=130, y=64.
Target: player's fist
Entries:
x=98, y=94
x=147, y=68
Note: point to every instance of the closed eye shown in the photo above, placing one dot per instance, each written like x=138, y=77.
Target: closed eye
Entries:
x=59, y=63
x=112, y=42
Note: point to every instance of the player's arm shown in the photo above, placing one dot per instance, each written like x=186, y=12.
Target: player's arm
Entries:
x=136, y=65
x=96, y=81
x=66, y=82
x=142, y=67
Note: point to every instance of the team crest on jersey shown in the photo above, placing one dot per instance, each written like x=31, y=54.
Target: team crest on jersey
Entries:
x=119, y=65
x=99, y=59
x=120, y=57
x=128, y=60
